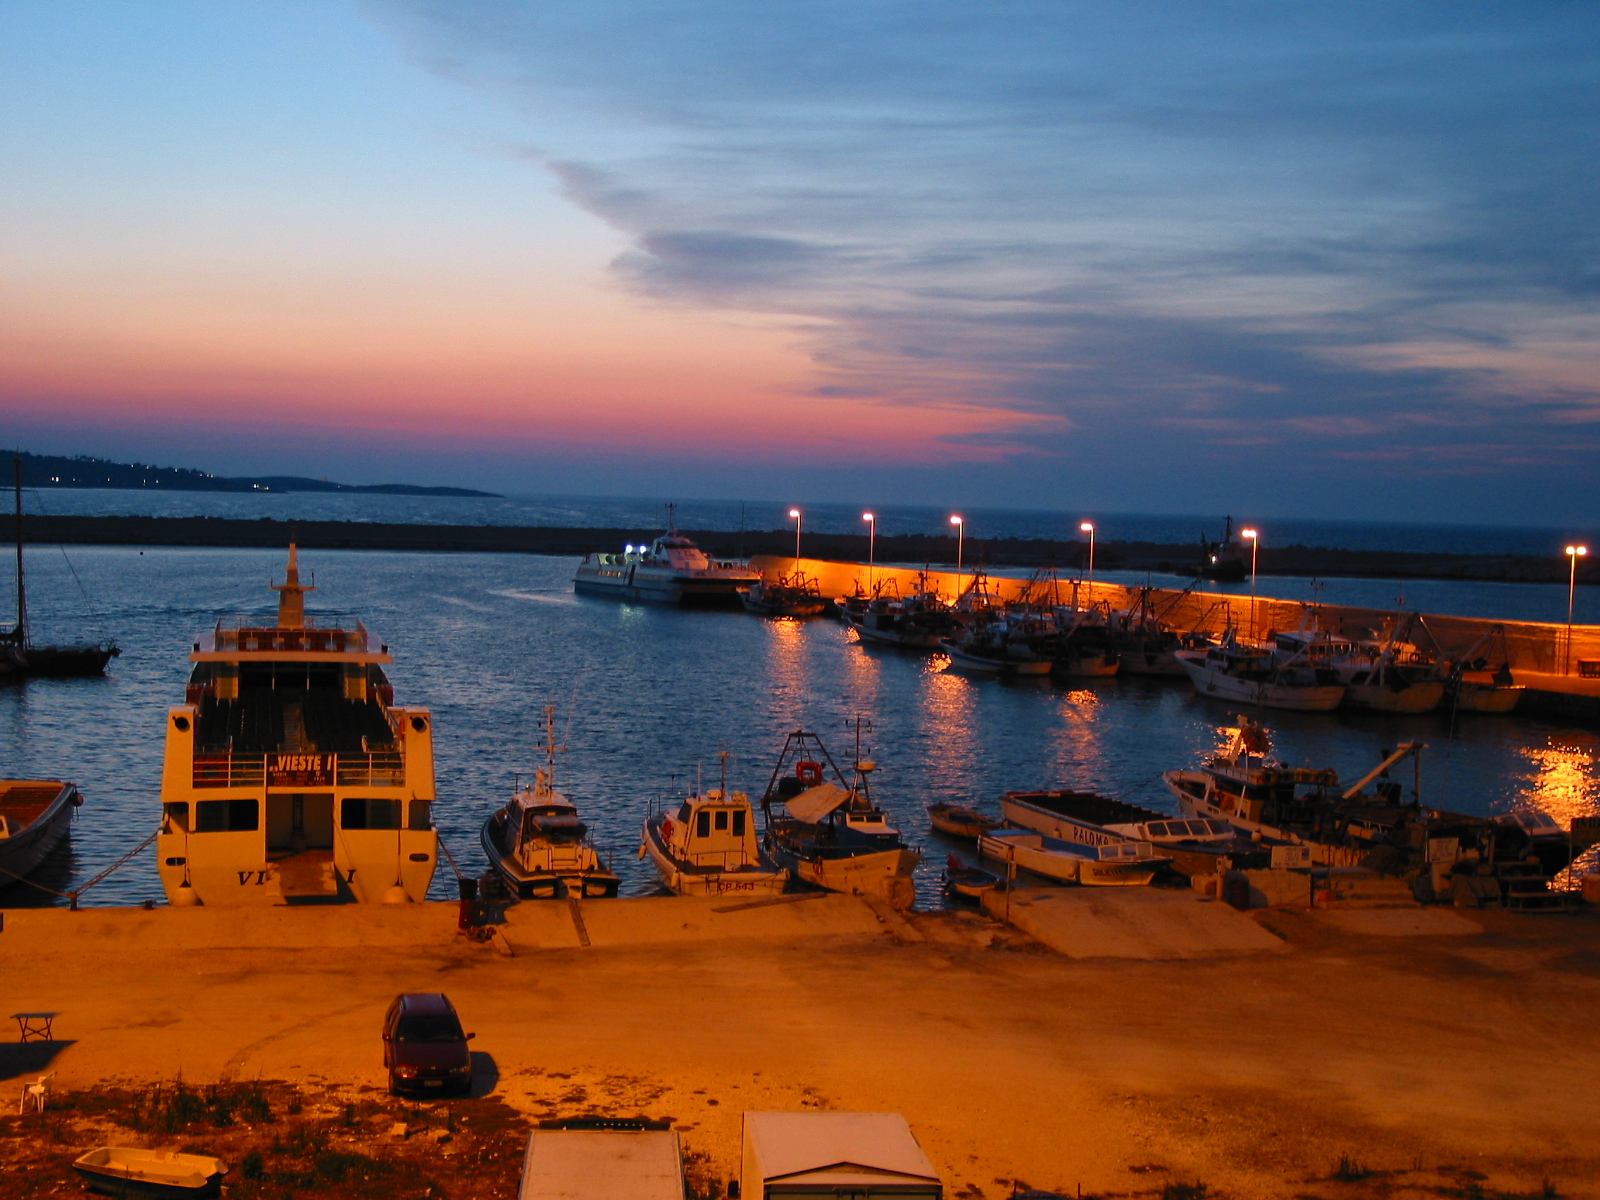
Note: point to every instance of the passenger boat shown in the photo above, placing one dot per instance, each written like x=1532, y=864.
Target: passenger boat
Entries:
x=958, y=820
x=1116, y=864
x=671, y=570
x=537, y=843
x=794, y=595
x=131, y=1171
x=35, y=815
x=707, y=846
x=830, y=833
x=963, y=879
x=1195, y=846
x=20, y=655
x=291, y=777
x=1235, y=672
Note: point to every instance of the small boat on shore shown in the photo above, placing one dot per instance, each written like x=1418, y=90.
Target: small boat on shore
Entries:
x=671, y=570
x=537, y=843
x=1196, y=846
x=964, y=879
x=957, y=820
x=707, y=846
x=830, y=833
x=1122, y=863
x=132, y=1171
x=35, y=816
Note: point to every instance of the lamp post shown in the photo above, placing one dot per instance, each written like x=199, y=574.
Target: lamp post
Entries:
x=794, y=515
x=1088, y=527
x=872, y=542
x=1574, y=553
x=961, y=538
x=1255, y=545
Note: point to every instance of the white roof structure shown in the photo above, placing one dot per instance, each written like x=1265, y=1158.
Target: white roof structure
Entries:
x=583, y=1164
x=817, y=802
x=833, y=1149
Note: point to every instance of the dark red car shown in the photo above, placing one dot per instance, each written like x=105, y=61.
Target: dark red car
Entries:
x=423, y=1045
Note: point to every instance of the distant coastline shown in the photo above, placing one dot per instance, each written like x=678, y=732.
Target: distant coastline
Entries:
x=266, y=532
x=82, y=471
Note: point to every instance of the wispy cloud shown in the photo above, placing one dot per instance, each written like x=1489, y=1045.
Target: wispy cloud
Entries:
x=1179, y=226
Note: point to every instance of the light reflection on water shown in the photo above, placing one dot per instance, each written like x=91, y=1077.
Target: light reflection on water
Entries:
x=487, y=641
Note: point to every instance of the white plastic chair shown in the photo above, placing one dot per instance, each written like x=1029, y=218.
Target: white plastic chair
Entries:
x=35, y=1094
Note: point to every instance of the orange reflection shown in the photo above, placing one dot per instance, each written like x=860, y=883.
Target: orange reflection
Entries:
x=1563, y=785
x=786, y=668
x=947, y=713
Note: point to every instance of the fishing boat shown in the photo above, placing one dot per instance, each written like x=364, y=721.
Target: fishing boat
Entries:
x=964, y=879
x=1084, y=649
x=291, y=777
x=537, y=843
x=1225, y=561
x=35, y=816
x=917, y=621
x=20, y=655
x=707, y=846
x=794, y=595
x=1478, y=679
x=671, y=570
x=1116, y=864
x=829, y=832
x=957, y=820
x=1010, y=642
x=131, y=1171
x=1194, y=846
x=1237, y=673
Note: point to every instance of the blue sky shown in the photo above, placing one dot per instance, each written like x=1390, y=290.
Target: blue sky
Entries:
x=1301, y=260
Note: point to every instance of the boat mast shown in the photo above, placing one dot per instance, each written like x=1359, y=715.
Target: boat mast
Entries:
x=20, y=634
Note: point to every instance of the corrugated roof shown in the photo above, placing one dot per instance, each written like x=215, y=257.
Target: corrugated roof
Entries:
x=794, y=1143
x=572, y=1164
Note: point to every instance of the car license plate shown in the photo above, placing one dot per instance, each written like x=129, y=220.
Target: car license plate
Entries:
x=433, y=1083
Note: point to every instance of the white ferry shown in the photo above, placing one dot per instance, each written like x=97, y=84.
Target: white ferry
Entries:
x=290, y=775
x=671, y=570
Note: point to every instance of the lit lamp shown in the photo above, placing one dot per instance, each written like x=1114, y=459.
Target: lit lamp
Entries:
x=872, y=542
x=1088, y=527
x=961, y=538
x=1574, y=553
x=1255, y=545
x=794, y=515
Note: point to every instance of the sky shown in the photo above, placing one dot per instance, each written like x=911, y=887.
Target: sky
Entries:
x=1310, y=260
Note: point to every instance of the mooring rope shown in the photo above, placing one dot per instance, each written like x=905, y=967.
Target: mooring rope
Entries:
x=451, y=858
x=73, y=895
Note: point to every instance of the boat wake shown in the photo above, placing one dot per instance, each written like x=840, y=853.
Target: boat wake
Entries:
x=551, y=596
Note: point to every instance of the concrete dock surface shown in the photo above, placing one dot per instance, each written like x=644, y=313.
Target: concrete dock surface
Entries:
x=1129, y=922
x=1437, y=1061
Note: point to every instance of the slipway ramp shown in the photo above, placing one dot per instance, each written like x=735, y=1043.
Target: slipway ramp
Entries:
x=1129, y=922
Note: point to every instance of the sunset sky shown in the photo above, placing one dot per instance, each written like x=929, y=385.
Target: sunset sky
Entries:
x=1300, y=260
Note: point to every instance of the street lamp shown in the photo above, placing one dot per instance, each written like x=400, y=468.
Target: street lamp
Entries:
x=794, y=515
x=1574, y=553
x=961, y=538
x=1088, y=527
x=872, y=542
x=1255, y=545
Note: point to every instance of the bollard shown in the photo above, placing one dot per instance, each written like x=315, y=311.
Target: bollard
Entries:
x=469, y=916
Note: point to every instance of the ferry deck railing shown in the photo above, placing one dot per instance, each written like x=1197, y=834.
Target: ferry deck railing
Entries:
x=226, y=769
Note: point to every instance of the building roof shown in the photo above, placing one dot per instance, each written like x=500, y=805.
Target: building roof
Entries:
x=788, y=1144
x=583, y=1164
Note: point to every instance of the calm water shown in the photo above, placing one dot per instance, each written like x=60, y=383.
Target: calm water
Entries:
x=653, y=695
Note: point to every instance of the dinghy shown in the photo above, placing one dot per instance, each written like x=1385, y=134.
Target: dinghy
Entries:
x=127, y=1171
x=1119, y=864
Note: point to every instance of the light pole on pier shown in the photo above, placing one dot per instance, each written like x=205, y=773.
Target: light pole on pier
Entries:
x=794, y=515
x=961, y=540
x=1255, y=545
x=1088, y=527
x=872, y=544
x=1574, y=553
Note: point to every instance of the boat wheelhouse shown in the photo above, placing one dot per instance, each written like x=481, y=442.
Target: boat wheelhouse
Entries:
x=290, y=774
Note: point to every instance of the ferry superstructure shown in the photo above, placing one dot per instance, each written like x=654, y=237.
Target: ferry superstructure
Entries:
x=290, y=775
x=671, y=570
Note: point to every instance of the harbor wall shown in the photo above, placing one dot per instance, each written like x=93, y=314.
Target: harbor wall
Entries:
x=1537, y=651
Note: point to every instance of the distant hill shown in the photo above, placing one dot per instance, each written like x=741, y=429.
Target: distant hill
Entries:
x=81, y=471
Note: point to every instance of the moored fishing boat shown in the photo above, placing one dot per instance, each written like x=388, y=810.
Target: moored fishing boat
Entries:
x=290, y=774
x=671, y=570
x=794, y=595
x=1010, y=642
x=1122, y=863
x=916, y=622
x=830, y=833
x=707, y=846
x=957, y=820
x=35, y=816
x=538, y=844
x=1195, y=846
x=1238, y=673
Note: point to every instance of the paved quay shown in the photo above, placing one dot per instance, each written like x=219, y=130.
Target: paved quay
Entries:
x=1423, y=1053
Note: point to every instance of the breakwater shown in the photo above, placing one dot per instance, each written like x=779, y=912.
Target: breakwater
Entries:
x=1537, y=652
x=914, y=548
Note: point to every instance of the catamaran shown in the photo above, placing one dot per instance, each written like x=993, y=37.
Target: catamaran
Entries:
x=291, y=777
x=671, y=570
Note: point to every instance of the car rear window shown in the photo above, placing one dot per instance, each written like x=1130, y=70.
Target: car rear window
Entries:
x=429, y=1029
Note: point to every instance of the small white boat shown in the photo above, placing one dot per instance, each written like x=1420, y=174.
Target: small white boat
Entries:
x=35, y=814
x=128, y=1171
x=707, y=846
x=1116, y=864
x=1235, y=673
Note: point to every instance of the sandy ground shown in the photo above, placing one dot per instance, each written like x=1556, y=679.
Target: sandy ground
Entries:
x=1442, y=1064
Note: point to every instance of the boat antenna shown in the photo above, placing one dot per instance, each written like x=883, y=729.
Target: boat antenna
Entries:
x=699, y=779
x=672, y=518
x=723, y=784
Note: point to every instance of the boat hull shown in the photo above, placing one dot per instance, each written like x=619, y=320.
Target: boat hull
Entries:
x=1036, y=855
x=1193, y=802
x=24, y=850
x=575, y=881
x=66, y=662
x=666, y=587
x=114, y=1171
x=1413, y=698
x=912, y=639
x=1487, y=698
x=887, y=874
x=681, y=879
x=957, y=822
x=963, y=661
x=1087, y=666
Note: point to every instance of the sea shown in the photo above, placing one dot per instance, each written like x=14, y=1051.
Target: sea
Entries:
x=649, y=698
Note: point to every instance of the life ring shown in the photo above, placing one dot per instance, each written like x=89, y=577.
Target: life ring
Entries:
x=666, y=829
x=808, y=772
